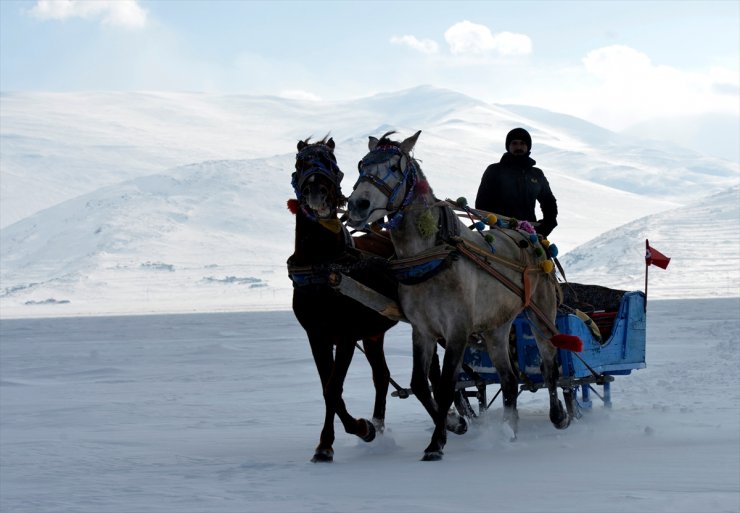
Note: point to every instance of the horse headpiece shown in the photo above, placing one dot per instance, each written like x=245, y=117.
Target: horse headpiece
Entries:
x=316, y=158
x=389, y=166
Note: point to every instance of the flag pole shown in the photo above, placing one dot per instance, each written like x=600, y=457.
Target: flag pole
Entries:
x=647, y=266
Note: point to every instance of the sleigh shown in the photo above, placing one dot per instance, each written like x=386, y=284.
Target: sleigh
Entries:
x=613, y=333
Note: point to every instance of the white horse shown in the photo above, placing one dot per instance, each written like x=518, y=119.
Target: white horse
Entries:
x=460, y=285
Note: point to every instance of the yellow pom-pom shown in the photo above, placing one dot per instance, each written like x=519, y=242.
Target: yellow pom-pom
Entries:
x=545, y=242
x=491, y=219
x=547, y=266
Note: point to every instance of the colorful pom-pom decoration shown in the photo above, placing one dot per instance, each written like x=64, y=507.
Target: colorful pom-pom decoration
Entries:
x=553, y=250
x=491, y=219
x=533, y=238
x=293, y=205
x=539, y=252
x=462, y=201
x=480, y=226
x=422, y=187
x=427, y=225
x=500, y=223
x=526, y=226
x=545, y=242
x=513, y=223
x=488, y=237
x=547, y=266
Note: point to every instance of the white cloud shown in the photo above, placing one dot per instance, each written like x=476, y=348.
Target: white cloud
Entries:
x=121, y=13
x=628, y=78
x=297, y=94
x=466, y=37
x=423, y=45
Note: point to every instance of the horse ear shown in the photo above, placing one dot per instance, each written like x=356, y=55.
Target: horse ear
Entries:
x=372, y=143
x=408, y=144
x=330, y=143
x=301, y=145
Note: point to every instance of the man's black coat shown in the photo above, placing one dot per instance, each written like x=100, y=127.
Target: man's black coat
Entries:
x=511, y=188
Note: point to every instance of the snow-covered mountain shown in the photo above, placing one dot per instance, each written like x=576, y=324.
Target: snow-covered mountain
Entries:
x=130, y=203
x=702, y=240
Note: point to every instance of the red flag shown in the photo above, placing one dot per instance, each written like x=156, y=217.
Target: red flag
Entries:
x=655, y=257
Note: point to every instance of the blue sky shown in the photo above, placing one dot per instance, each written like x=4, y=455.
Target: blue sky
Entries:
x=613, y=63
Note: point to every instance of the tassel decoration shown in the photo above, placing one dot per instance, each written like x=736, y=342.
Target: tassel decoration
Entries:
x=426, y=224
x=547, y=266
x=567, y=342
x=491, y=219
x=293, y=206
x=422, y=187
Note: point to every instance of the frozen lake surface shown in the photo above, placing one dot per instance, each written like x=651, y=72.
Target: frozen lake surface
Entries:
x=221, y=413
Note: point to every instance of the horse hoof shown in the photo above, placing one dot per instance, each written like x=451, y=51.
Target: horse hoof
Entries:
x=457, y=425
x=559, y=418
x=432, y=456
x=323, y=456
x=379, y=425
x=370, y=436
x=563, y=423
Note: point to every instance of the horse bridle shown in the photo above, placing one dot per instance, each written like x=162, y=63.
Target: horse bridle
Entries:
x=380, y=177
x=315, y=159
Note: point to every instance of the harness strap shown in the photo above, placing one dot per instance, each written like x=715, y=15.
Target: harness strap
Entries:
x=527, y=296
x=464, y=248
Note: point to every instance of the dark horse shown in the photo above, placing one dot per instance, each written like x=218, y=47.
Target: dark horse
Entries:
x=323, y=245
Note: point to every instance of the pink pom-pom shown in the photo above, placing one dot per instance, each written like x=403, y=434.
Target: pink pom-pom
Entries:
x=526, y=226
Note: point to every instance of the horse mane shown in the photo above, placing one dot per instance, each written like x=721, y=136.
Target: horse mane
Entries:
x=385, y=141
x=324, y=141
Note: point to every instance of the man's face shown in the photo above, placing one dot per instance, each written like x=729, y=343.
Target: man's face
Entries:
x=518, y=147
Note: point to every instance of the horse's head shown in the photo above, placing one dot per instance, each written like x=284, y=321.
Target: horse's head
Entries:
x=317, y=178
x=388, y=176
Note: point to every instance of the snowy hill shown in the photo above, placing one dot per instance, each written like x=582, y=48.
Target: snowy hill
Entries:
x=702, y=240
x=143, y=203
x=56, y=146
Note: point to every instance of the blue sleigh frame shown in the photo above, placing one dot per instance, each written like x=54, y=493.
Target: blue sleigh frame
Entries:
x=618, y=354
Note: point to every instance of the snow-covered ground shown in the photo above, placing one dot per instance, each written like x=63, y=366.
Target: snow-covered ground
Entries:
x=221, y=413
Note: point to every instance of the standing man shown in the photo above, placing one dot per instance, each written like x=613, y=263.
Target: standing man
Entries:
x=512, y=186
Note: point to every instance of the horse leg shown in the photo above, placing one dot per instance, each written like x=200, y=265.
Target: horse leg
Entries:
x=455, y=423
x=373, y=347
x=571, y=403
x=423, y=350
x=497, y=343
x=550, y=374
x=445, y=395
x=323, y=355
x=360, y=427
